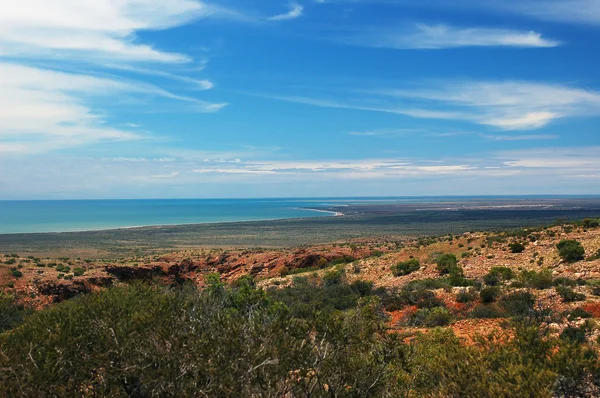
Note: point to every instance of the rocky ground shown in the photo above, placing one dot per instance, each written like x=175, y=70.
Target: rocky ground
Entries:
x=38, y=282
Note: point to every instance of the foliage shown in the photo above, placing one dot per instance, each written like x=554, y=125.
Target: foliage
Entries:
x=516, y=247
x=310, y=339
x=537, y=280
x=447, y=264
x=466, y=296
x=570, y=250
x=406, y=267
x=569, y=295
x=489, y=294
x=519, y=303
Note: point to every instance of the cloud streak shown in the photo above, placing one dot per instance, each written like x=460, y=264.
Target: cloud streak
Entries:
x=432, y=37
x=504, y=105
x=296, y=11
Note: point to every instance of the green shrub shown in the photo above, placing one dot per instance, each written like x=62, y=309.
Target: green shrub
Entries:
x=10, y=261
x=569, y=295
x=363, y=288
x=516, y=247
x=491, y=279
x=537, y=280
x=406, y=267
x=430, y=317
x=466, y=296
x=579, y=313
x=590, y=223
x=483, y=311
x=334, y=277
x=572, y=334
x=447, y=264
x=564, y=281
x=16, y=273
x=62, y=268
x=570, y=250
x=489, y=294
x=78, y=271
x=517, y=303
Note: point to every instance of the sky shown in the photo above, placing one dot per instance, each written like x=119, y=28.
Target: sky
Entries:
x=309, y=98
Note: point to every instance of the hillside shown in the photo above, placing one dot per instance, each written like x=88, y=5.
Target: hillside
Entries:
x=509, y=314
x=38, y=282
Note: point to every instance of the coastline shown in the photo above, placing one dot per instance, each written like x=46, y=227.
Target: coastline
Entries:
x=171, y=225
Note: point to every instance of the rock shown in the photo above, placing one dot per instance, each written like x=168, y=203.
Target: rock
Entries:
x=62, y=290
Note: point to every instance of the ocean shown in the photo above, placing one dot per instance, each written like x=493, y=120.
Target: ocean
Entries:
x=29, y=216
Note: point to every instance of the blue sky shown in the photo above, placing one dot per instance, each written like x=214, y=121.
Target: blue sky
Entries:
x=230, y=98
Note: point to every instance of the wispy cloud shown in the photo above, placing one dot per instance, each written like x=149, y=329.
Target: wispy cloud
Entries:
x=423, y=36
x=45, y=108
x=530, y=137
x=505, y=105
x=508, y=105
x=568, y=11
x=42, y=109
x=295, y=11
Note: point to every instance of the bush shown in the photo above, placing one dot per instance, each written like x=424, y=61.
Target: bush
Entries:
x=363, y=288
x=447, y=264
x=466, y=296
x=483, y=311
x=579, y=313
x=516, y=247
x=590, y=223
x=334, y=277
x=518, y=303
x=489, y=294
x=537, y=280
x=570, y=250
x=16, y=273
x=505, y=273
x=78, y=271
x=62, y=268
x=564, y=281
x=569, y=295
x=430, y=317
x=406, y=267
x=572, y=334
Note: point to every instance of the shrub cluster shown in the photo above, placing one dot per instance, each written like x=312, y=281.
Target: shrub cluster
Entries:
x=311, y=339
x=570, y=250
x=406, y=267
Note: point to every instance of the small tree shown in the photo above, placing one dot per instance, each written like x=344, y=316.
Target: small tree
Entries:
x=406, y=267
x=447, y=264
x=516, y=247
x=570, y=250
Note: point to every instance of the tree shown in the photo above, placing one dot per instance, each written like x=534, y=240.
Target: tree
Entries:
x=570, y=250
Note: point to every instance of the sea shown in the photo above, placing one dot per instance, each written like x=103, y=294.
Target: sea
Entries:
x=33, y=216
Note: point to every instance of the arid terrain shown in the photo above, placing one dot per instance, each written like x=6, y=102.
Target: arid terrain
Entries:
x=39, y=282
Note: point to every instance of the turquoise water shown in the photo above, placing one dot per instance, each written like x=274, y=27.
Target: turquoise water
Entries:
x=86, y=215
x=21, y=216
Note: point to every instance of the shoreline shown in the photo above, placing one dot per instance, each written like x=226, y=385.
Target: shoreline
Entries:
x=157, y=226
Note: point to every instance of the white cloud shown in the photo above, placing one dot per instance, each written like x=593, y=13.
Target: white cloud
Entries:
x=424, y=36
x=43, y=110
x=506, y=105
x=295, y=11
x=570, y=161
x=532, y=137
x=92, y=28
